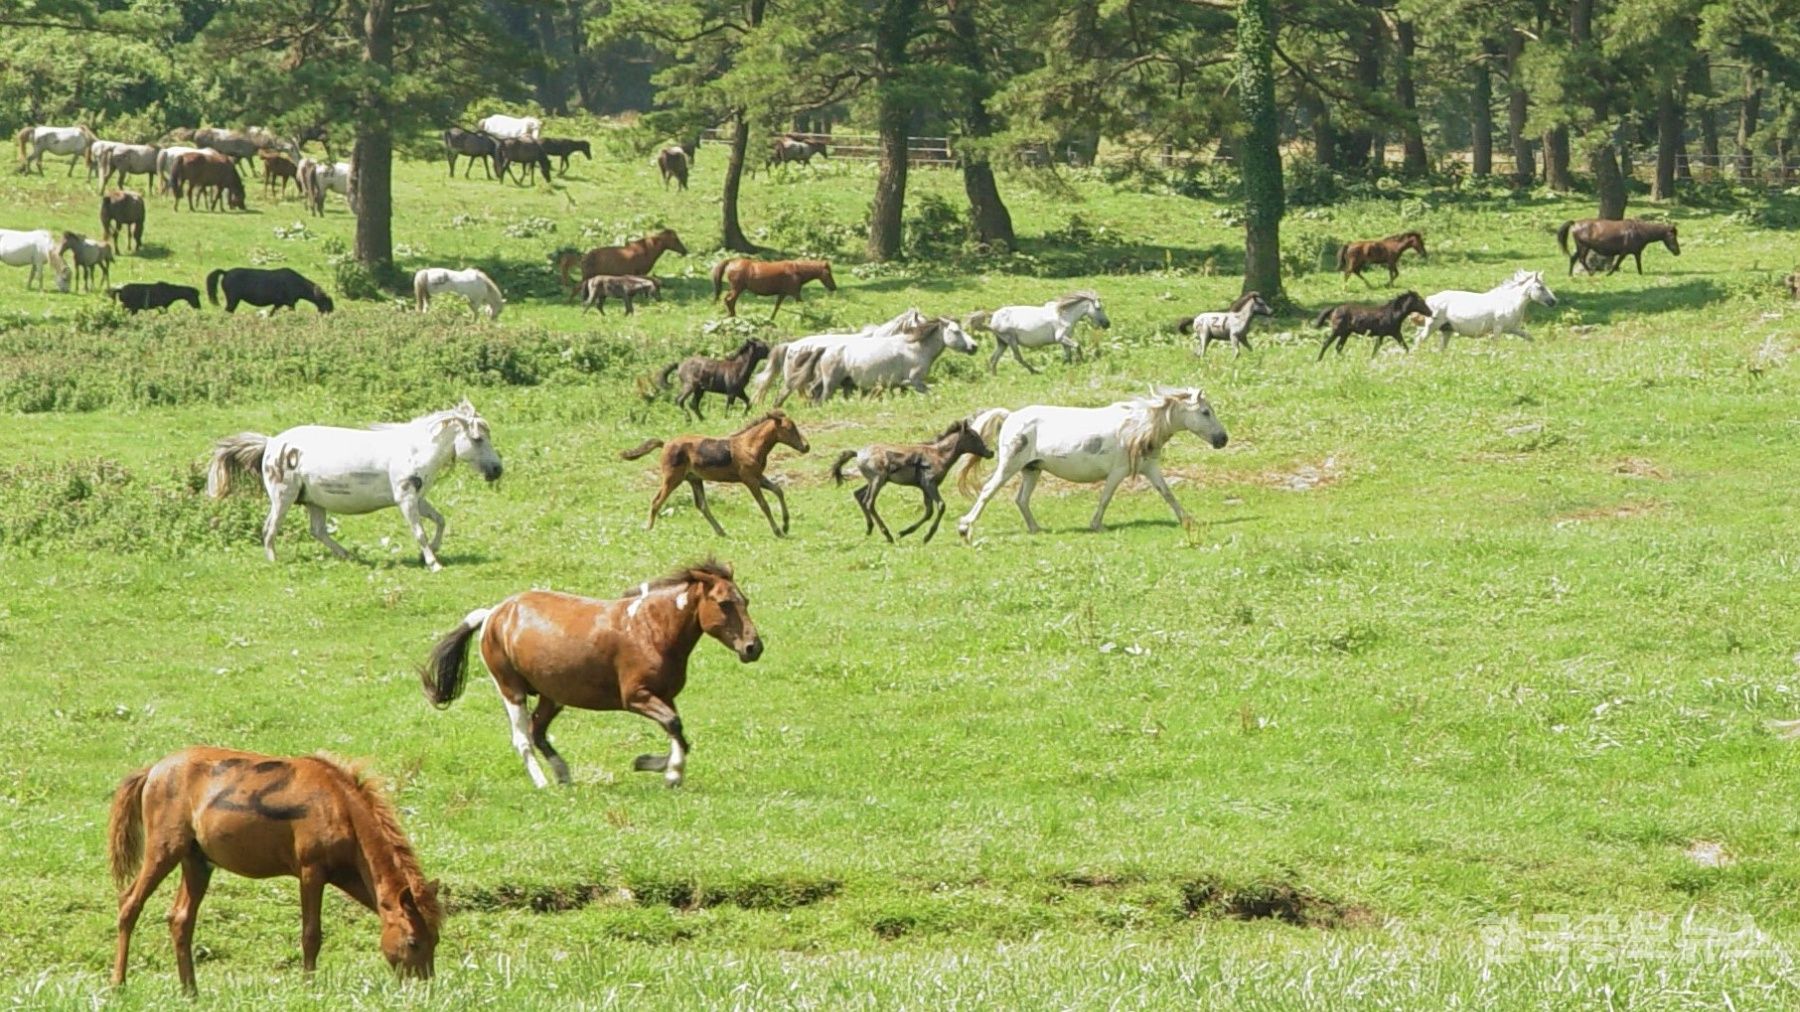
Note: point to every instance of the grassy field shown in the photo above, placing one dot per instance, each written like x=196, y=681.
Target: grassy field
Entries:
x=1454, y=697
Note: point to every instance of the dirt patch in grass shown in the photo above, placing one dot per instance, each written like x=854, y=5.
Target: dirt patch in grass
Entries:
x=1273, y=901
x=1638, y=467
x=1617, y=511
x=681, y=894
x=1307, y=476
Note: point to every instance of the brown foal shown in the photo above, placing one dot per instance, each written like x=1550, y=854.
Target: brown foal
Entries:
x=740, y=457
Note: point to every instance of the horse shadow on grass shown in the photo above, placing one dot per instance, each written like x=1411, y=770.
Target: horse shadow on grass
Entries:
x=151, y=251
x=1604, y=305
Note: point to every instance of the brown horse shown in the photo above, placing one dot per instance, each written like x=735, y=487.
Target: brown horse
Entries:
x=278, y=168
x=625, y=654
x=780, y=278
x=673, y=163
x=632, y=258
x=1355, y=257
x=921, y=465
x=211, y=171
x=1382, y=321
x=1616, y=239
x=740, y=457
x=122, y=211
x=260, y=817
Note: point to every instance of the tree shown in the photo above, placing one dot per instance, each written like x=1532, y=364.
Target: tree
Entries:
x=896, y=21
x=987, y=212
x=1259, y=153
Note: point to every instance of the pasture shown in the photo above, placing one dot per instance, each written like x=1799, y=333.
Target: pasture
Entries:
x=1455, y=695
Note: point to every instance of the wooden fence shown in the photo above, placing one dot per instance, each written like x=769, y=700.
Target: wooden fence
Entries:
x=857, y=147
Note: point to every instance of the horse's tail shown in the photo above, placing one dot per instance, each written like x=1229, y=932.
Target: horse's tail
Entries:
x=23, y=135
x=1324, y=314
x=808, y=360
x=125, y=829
x=837, y=466
x=1562, y=236
x=719, y=276
x=234, y=455
x=1185, y=325
x=639, y=450
x=777, y=365
x=1343, y=257
x=662, y=378
x=496, y=299
x=987, y=425
x=978, y=320
x=421, y=291
x=443, y=675
x=212, y=280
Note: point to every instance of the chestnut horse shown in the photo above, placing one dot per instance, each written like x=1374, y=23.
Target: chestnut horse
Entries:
x=780, y=278
x=260, y=817
x=1616, y=239
x=740, y=457
x=625, y=654
x=632, y=258
x=1355, y=257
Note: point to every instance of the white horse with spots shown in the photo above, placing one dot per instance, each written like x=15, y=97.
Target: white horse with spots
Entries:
x=479, y=289
x=1053, y=322
x=36, y=142
x=1500, y=310
x=34, y=249
x=508, y=128
x=903, y=359
x=1087, y=445
x=338, y=470
x=794, y=362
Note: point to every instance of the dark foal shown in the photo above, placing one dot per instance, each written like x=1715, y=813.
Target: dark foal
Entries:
x=1382, y=321
x=921, y=465
x=700, y=376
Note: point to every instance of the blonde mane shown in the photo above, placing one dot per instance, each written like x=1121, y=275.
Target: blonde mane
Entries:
x=1146, y=427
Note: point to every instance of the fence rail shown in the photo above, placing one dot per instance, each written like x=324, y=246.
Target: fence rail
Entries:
x=863, y=147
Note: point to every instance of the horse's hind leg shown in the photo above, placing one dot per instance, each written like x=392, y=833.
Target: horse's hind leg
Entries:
x=699, y=489
x=674, y=763
x=861, y=496
x=162, y=853
x=869, y=505
x=546, y=711
x=196, y=873
x=281, y=497
x=1014, y=345
x=521, y=733
x=1027, y=483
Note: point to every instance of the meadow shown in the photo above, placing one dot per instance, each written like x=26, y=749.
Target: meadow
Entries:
x=1456, y=694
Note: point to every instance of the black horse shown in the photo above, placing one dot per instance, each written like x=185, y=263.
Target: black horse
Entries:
x=1382, y=321
x=279, y=288
x=517, y=151
x=137, y=297
x=701, y=376
x=472, y=145
x=563, y=147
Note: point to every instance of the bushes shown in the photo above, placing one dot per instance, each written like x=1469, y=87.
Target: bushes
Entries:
x=96, y=504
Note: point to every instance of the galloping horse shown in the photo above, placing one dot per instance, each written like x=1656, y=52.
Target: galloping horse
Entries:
x=797, y=369
x=1053, y=322
x=34, y=249
x=921, y=465
x=1500, y=310
x=899, y=360
x=1617, y=239
x=632, y=258
x=472, y=284
x=336, y=470
x=36, y=142
x=260, y=816
x=780, y=278
x=1382, y=321
x=625, y=654
x=1231, y=326
x=1355, y=257
x=701, y=376
x=740, y=457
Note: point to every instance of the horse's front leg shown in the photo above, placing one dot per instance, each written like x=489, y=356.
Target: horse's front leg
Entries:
x=1152, y=472
x=1071, y=349
x=1519, y=329
x=312, y=902
x=1638, y=256
x=407, y=498
x=674, y=764
x=779, y=298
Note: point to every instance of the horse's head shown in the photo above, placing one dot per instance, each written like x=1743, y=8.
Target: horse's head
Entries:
x=322, y=301
x=825, y=278
x=1670, y=241
x=787, y=433
x=409, y=930
x=753, y=350
x=955, y=337
x=1416, y=241
x=1189, y=409
x=1255, y=302
x=1536, y=290
x=473, y=445
x=724, y=611
x=667, y=240
x=1086, y=304
x=1410, y=304
x=967, y=440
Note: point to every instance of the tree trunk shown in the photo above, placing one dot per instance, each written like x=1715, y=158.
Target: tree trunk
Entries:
x=1324, y=132
x=1699, y=84
x=1746, y=132
x=1413, y=161
x=993, y=223
x=372, y=159
x=1517, y=112
x=1609, y=181
x=894, y=25
x=553, y=91
x=1668, y=141
x=1259, y=153
x=1481, y=115
x=1362, y=146
x=730, y=229
x=1556, y=160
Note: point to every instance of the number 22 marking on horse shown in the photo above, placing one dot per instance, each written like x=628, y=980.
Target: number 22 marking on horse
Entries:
x=258, y=801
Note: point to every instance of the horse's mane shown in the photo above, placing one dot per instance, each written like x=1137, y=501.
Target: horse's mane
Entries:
x=370, y=790
x=1081, y=295
x=953, y=428
x=1243, y=300
x=682, y=577
x=772, y=415
x=926, y=325
x=1146, y=427
x=1408, y=234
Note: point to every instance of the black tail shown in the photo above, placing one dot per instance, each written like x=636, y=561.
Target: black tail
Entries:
x=837, y=468
x=1562, y=236
x=443, y=675
x=1185, y=325
x=212, y=286
x=662, y=379
x=1319, y=321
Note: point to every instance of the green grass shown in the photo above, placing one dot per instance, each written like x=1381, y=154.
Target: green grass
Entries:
x=1464, y=654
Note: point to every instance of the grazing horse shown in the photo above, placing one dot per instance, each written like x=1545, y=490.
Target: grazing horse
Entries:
x=87, y=255
x=1617, y=239
x=921, y=465
x=1087, y=445
x=36, y=142
x=1053, y=322
x=211, y=171
x=740, y=457
x=700, y=376
x=780, y=278
x=637, y=258
x=518, y=151
x=260, y=816
x=165, y=163
x=563, y=147
x=596, y=290
x=282, y=288
x=798, y=368
x=336, y=470
x=1382, y=321
x=505, y=128
x=625, y=654
x=473, y=145
x=1355, y=257
x=233, y=144
x=795, y=149
x=277, y=168
x=1231, y=326
x=126, y=160
x=479, y=289
x=34, y=249
x=137, y=297
x=1500, y=310
x=899, y=360
x=673, y=163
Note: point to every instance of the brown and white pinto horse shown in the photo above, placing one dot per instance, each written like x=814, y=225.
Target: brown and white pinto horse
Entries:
x=625, y=654
x=261, y=817
x=780, y=278
x=1355, y=257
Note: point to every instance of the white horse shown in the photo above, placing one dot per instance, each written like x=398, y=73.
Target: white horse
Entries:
x=1106, y=444
x=790, y=361
x=510, y=127
x=1500, y=310
x=34, y=250
x=316, y=179
x=125, y=159
x=471, y=284
x=96, y=150
x=337, y=470
x=48, y=140
x=1053, y=322
x=1231, y=326
x=902, y=359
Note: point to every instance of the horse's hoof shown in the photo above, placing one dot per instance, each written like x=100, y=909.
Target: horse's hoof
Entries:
x=672, y=781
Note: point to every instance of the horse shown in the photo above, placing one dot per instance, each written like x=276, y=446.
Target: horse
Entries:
x=1500, y=310
x=319, y=178
x=1382, y=321
x=632, y=258
x=596, y=290
x=1053, y=322
x=277, y=167
x=233, y=144
x=900, y=360
x=1231, y=326
x=207, y=170
x=795, y=149
x=797, y=369
x=96, y=149
x=34, y=249
x=329, y=469
x=780, y=278
x=165, y=163
x=1616, y=239
x=921, y=465
x=137, y=297
x=88, y=255
x=36, y=142
x=673, y=163
x=1087, y=445
x=740, y=457
x=503, y=128
x=516, y=151
x=563, y=147
x=479, y=289
x=282, y=288
x=700, y=376
x=126, y=159
x=1355, y=257
x=473, y=145
x=625, y=654
x=261, y=816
